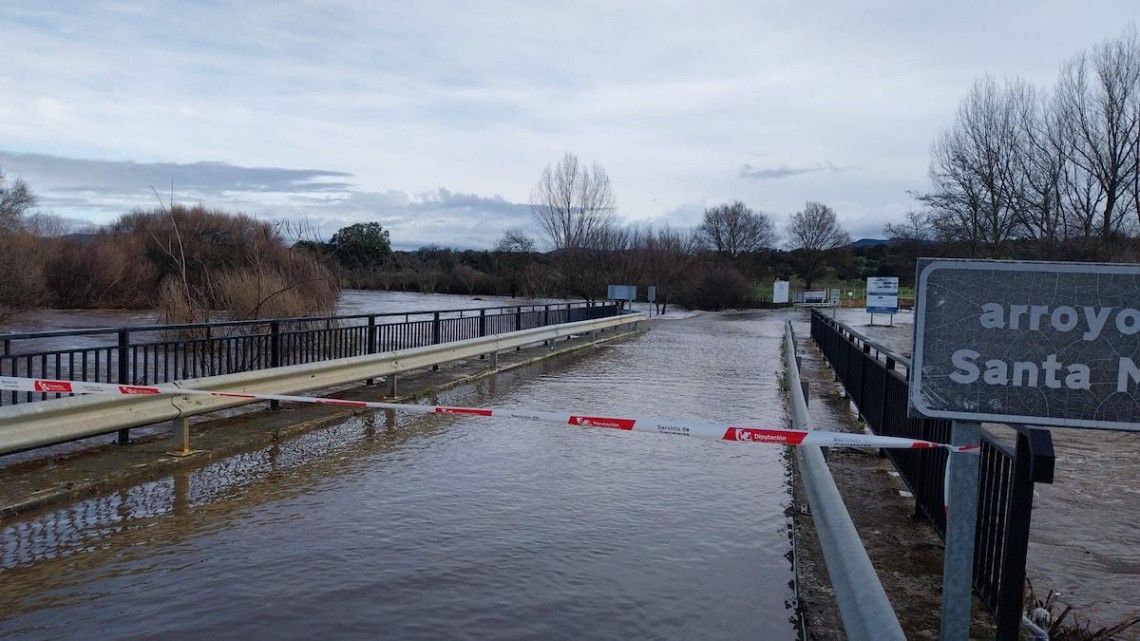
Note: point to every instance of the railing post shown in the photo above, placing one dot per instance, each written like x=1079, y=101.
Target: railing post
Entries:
x=371, y=347
x=518, y=318
x=435, y=335
x=274, y=354
x=482, y=323
x=124, y=351
x=546, y=317
x=1019, y=513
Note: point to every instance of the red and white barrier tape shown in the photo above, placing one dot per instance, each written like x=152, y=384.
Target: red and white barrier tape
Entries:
x=714, y=431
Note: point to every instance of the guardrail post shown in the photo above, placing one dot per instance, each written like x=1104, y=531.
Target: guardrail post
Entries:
x=495, y=359
x=961, y=524
x=391, y=387
x=124, y=436
x=274, y=355
x=180, y=428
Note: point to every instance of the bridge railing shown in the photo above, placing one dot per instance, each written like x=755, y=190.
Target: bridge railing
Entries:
x=870, y=373
x=153, y=354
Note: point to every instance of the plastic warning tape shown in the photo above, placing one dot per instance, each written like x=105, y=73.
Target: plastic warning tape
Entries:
x=714, y=431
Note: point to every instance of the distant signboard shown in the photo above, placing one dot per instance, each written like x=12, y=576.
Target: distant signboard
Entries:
x=622, y=292
x=1028, y=342
x=781, y=293
x=835, y=297
x=883, y=295
x=651, y=295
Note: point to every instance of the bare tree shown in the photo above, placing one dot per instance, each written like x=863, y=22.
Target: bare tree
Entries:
x=670, y=256
x=572, y=204
x=518, y=253
x=975, y=169
x=816, y=228
x=916, y=228
x=515, y=241
x=735, y=229
x=575, y=209
x=812, y=234
x=15, y=201
x=1099, y=100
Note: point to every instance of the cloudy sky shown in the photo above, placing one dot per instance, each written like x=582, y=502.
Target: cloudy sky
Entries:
x=436, y=118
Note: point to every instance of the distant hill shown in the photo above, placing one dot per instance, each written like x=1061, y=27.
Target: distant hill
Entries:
x=869, y=242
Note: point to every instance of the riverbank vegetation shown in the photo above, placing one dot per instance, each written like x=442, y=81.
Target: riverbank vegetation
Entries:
x=188, y=263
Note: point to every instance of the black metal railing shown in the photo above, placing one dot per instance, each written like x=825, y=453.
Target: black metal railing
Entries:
x=871, y=376
x=154, y=354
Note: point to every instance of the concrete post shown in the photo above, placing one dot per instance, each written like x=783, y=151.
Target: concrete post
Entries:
x=495, y=359
x=961, y=522
x=391, y=381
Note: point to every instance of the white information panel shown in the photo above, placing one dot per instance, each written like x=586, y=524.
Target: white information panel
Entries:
x=781, y=292
x=883, y=295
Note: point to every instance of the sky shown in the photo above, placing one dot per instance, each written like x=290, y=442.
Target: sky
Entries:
x=436, y=119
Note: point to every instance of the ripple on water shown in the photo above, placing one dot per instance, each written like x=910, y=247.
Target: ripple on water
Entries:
x=458, y=527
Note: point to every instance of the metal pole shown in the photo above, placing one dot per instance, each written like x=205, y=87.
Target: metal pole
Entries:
x=961, y=522
x=124, y=436
x=275, y=354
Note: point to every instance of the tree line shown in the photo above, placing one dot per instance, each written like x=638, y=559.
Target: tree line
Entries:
x=1032, y=172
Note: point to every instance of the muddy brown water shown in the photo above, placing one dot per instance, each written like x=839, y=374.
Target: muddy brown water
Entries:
x=452, y=527
x=1085, y=537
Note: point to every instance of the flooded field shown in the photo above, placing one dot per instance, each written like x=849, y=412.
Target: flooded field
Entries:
x=453, y=527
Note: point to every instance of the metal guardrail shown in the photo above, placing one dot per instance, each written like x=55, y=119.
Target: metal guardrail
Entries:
x=145, y=355
x=31, y=425
x=863, y=605
x=869, y=373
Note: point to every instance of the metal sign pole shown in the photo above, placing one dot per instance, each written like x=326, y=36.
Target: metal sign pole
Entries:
x=961, y=521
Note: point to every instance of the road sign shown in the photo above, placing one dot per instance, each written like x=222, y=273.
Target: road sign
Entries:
x=651, y=295
x=1028, y=342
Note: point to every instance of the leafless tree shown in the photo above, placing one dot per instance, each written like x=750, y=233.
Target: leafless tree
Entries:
x=517, y=250
x=816, y=228
x=974, y=169
x=670, y=256
x=15, y=201
x=515, y=241
x=1098, y=96
x=735, y=229
x=916, y=228
x=573, y=203
x=812, y=233
x=575, y=209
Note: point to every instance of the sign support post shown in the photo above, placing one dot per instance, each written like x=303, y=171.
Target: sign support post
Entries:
x=961, y=521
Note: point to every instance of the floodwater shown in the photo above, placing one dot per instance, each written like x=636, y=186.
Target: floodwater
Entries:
x=453, y=527
x=1085, y=537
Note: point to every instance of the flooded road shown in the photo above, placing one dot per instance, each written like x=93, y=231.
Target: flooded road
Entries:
x=453, y=527
x=1085, y=538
